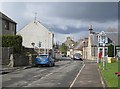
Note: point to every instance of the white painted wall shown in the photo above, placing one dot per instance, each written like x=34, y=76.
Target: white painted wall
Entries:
x=34, y=32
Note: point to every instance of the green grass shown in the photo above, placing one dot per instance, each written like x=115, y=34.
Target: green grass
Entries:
x=109, y=74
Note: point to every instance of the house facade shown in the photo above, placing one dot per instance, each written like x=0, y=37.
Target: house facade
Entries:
x=8, y=26
x=94, y=47
x=37, y=34
x=78, y=47
x=70, y=43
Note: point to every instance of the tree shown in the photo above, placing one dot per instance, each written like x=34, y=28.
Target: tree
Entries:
x=110, y=50
x=63, y=48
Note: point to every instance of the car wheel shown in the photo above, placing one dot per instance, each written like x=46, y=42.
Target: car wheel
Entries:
x=50, y=64
x=36, y=65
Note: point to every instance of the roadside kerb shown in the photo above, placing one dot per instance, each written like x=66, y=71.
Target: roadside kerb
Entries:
x=102, y=79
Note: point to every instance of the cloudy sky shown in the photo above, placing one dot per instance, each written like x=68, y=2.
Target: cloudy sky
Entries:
x=65, y=18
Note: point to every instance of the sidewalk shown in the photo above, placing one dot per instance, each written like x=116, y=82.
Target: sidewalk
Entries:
x=90, y=76
x=7, y=69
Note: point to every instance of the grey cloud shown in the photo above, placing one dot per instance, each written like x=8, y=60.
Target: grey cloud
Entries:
x=94, y=11
x=85, y=12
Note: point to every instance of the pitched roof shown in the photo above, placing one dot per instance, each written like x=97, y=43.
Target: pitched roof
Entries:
x=112, y=36
x=3, y=16
x=79, y=46
x=36, y=25
x=35, y=32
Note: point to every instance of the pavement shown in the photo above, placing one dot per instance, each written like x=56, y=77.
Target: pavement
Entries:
x=90, y=76
x=6, y=69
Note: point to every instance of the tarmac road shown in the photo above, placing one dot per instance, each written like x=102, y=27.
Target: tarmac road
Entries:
x=62, y=75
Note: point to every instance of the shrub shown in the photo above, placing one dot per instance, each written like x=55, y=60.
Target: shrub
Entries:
x=110, y=50
x=14, y=41
x=113, y=60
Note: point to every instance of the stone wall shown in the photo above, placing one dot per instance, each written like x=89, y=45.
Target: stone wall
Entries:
x=18, y=59
x=5, y=55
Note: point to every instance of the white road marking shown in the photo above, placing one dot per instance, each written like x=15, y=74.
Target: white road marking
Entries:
x=76, y=77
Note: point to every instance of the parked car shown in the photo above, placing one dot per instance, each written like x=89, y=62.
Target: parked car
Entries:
x=77, y=56
x=44, y=59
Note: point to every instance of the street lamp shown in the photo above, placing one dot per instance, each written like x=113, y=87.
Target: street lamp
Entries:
x=33, y=44
x=73, y=48
x=103, y=41
x=84, y=49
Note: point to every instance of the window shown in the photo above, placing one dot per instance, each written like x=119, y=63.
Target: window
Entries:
x=13, y=27
x=6, y=25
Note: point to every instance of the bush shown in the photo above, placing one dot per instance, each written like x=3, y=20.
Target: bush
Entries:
x=110, y=50
x=113, y=60
x=14, y=41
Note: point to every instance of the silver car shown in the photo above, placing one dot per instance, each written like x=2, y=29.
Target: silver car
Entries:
x=77, y=56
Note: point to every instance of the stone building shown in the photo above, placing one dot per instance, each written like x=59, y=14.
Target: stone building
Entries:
x=8, y=26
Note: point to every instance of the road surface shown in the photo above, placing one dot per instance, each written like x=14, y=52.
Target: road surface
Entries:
x=62, y=75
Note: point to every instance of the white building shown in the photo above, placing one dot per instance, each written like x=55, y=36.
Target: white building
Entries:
x=36, y=33
x=94, y=47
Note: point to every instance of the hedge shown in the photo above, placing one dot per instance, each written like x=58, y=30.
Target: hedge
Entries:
x=14, y=41
x=110, y=50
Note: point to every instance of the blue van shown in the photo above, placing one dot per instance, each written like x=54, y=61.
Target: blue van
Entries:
x=44, y=59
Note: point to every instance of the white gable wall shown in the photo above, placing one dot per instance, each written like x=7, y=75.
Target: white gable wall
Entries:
x=35, y=33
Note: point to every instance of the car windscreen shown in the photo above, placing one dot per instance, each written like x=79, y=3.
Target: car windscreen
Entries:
x=43, y=56
x=77, y=54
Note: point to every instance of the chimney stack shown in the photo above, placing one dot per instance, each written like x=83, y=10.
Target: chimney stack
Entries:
x=90, y=29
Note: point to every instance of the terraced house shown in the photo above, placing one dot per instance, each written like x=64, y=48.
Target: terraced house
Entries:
x=8, y=25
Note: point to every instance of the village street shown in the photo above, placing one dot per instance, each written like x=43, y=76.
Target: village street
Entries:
x=62, y=75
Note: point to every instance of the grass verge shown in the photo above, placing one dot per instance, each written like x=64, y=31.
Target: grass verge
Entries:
x=108, y=74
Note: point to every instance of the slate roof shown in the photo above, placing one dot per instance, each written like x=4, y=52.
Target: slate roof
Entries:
x=3, y=16
x=80, y=44
x=112, y=36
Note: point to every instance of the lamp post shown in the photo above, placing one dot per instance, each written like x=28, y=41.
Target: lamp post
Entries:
x=73, y=48
x=33, y=44
x=84, y=49
x=103, y=41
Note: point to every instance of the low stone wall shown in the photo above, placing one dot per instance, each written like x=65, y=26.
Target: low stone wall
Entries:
x=20, y=60
x=5, y=55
